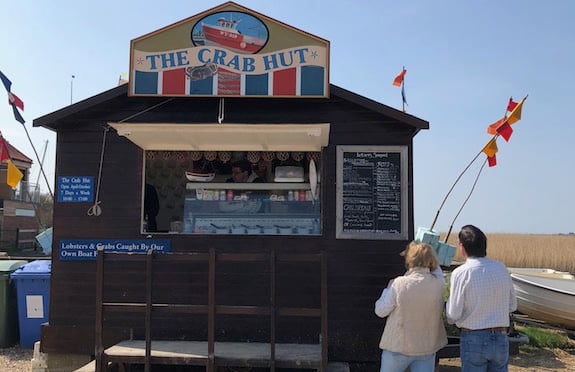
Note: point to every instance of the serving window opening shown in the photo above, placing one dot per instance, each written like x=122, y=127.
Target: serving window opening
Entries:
x=232, y=192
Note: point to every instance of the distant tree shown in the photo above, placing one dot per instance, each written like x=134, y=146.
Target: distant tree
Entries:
x=46, y=210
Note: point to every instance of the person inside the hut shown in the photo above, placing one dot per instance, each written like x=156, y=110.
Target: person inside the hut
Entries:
x=413, y=304
x=242, y=172
x=151, y=207
x=481, y=296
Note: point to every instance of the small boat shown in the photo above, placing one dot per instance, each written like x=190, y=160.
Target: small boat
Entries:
x=200, y=177
x=226, y=34
x=197, y=38
x=545, y=294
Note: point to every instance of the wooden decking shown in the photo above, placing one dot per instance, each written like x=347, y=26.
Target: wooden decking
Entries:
x=210, y=353
x=253, y=354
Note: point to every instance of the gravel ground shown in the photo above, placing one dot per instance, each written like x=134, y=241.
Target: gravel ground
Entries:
x=539, y=360
x=15, y=359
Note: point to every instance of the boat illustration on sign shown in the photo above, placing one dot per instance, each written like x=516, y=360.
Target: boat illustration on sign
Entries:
x=197, y=38
x=236, y=31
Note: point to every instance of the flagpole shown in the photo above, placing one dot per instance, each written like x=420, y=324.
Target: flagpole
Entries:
x=495, y=136
x=456, y=181
x=39, y=162
x=458, y=178
x=4, y=147
x=403, y=91
x=7, y=84
x=403, y=95
x=71, y=87
x=399, y=82
x=466, y=199
x=451, y=189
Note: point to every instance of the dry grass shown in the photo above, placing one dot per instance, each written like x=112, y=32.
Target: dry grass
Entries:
x=526, y=250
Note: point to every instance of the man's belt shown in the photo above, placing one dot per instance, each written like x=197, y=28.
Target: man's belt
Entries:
x=492, y=329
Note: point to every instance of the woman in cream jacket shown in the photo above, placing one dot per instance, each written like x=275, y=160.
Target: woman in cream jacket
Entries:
x=413, y=304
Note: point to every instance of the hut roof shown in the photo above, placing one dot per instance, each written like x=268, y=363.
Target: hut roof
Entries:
x=117, y=98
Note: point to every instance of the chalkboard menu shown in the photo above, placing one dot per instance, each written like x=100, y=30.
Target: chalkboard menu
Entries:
x=372, y=192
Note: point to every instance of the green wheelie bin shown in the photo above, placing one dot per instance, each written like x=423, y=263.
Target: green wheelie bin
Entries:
x=8, y=303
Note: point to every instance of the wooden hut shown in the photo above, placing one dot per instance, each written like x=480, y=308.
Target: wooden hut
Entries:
x=338, y=181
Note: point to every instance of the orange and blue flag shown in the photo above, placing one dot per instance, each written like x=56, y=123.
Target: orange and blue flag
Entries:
x=399, y=78
x=403, y=94
x=399, y=81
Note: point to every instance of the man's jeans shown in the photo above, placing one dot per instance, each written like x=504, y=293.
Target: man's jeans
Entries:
x=485, y=351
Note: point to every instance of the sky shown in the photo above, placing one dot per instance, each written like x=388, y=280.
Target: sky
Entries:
x=464, y=60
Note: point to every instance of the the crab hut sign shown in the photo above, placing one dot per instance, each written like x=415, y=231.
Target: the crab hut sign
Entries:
x=228, y=51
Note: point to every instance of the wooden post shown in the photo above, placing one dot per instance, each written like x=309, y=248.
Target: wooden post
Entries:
x=324, y=323
x=99, y=347
x=149, y=274
x=272, y=310
x=17, y=238
x=211, y=309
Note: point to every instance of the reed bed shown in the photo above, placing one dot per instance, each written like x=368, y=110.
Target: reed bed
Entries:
x=530, y=250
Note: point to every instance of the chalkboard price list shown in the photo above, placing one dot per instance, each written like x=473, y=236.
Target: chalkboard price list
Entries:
x=371, y=192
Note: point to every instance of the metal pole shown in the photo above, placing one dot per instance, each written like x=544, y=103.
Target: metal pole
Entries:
x=37, y=157
x=71, y=88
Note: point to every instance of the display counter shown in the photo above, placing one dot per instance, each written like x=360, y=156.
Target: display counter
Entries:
x=251, y=208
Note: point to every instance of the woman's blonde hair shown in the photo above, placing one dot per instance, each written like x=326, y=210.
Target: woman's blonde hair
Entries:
x=420, y=255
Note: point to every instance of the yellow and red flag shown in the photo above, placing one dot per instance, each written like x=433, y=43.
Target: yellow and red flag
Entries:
x=505, y=131
x=503, y=125
x=490, y=150
x=515, y=114
x=492, y=129
x=492, y=161
x=511, y=105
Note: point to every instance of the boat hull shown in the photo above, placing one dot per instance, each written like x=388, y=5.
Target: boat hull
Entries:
x=545, y=295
